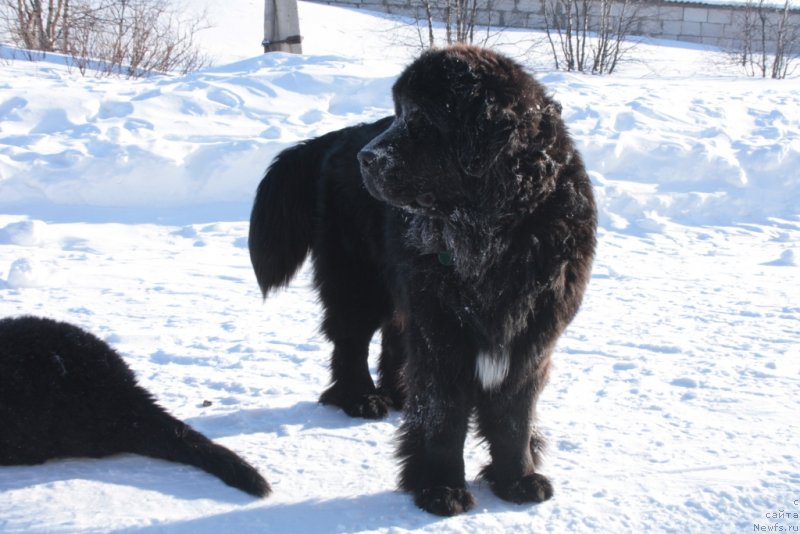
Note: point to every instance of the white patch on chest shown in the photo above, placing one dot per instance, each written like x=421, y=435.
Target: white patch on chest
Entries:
x=492, y=369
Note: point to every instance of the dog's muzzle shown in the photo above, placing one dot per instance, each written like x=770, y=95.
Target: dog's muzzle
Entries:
x=371, y=161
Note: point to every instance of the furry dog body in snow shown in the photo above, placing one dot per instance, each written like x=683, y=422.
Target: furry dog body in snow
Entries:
x=65, y=393
x=464, y=229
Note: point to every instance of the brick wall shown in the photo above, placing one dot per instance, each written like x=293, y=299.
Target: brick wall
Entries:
x=680, y=21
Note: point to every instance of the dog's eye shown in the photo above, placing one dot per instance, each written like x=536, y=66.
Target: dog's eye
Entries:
x=415, y=122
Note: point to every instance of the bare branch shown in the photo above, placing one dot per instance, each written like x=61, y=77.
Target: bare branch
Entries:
x=135, y=37
x=579, y=27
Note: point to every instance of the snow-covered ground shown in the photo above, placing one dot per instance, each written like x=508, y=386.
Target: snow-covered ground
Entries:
x=673, y=405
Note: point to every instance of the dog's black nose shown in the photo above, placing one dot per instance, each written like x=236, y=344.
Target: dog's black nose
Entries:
x=426, y=200
x=367, y=158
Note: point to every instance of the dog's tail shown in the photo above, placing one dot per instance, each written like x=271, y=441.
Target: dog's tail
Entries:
x=159, y=435
x=283, y=217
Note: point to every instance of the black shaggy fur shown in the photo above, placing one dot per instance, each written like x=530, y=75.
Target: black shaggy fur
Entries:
x=66, y=393
x=468, y=242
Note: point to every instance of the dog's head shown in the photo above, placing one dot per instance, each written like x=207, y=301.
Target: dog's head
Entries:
x=466, y=121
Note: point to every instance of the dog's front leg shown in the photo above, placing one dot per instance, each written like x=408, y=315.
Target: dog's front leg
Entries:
x=505, y=421
x=436, y=419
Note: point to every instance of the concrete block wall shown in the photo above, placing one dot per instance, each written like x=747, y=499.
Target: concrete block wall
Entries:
x=694, y=22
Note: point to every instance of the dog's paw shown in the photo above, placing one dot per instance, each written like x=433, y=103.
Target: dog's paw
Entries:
x=530, y=488
x=369, y=405
x=445, y=501
x=394, y=397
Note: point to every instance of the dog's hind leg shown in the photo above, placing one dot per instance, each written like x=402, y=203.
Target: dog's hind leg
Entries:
x=352, y=388
x=392, y=362
x=354, y=310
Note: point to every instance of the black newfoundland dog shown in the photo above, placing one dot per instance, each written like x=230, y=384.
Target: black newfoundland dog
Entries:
x=464, y=228
x=66, y=393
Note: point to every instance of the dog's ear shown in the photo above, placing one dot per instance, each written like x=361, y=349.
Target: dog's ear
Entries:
x=488, y=128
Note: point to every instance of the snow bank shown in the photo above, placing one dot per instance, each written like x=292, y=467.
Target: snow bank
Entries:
x=171, y=142
x=708, y=151
x=25, y=233
x=697, y=152
x=26, y=273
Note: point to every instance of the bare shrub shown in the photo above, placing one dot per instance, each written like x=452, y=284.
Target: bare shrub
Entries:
x=38, y=24
x=130, y=37
x=769, y=43
x=590, y=35
x=460, y=19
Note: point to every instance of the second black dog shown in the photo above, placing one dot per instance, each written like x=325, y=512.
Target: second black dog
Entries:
x=66, y=393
